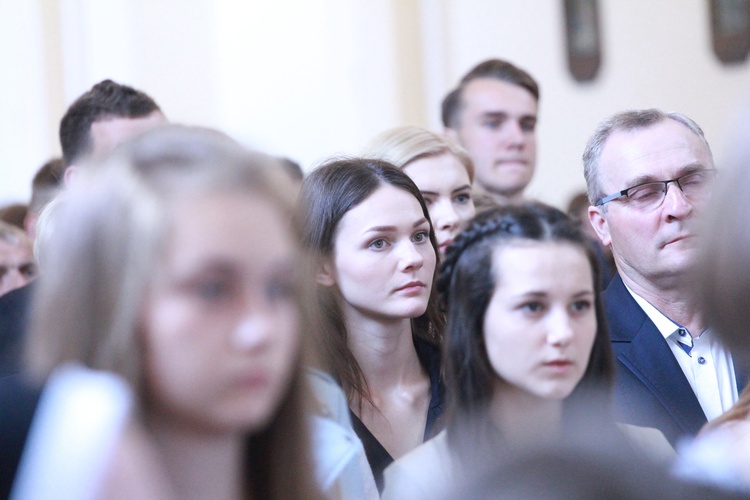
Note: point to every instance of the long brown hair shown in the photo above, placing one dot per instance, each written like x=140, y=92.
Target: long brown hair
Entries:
x=102, y=252
x=328, y=193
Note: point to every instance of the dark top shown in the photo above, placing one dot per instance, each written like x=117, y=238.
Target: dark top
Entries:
x=379, y=458
x=18, y=401
x=14, y=307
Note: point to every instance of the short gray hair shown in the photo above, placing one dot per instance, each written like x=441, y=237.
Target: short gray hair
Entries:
x=626, y=121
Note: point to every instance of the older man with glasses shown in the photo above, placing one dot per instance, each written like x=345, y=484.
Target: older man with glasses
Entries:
x=649, y=175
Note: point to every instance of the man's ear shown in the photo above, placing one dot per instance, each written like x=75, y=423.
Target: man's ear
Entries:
x=325, y=275
x=599, y=223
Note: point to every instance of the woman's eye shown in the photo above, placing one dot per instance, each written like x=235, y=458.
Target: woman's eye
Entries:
x=378, y=244
x=280, y=290
x=463, y=198
x=428, y=201
x=212, y=290
x=533, y=307
x=421, y=237
x=582, y=305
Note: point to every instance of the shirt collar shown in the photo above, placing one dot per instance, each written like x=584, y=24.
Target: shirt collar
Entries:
x=665, y=325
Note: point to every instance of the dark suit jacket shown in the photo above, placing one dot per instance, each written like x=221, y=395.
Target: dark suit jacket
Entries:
x=650, y=388
x=18, y=402
x=14, y=307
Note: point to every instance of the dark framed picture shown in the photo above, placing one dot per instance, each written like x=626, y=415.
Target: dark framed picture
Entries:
x=730, y=29
x=583, y=38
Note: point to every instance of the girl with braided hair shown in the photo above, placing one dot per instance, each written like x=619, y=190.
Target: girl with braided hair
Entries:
x=380, y=327
x=525, y=336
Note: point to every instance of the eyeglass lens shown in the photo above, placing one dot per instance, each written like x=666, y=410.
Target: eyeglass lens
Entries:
x=650, y=195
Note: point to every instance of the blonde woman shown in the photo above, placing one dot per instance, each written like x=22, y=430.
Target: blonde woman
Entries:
x=175, y=269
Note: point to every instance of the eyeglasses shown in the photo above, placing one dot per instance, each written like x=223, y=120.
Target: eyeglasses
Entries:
x=695, y=185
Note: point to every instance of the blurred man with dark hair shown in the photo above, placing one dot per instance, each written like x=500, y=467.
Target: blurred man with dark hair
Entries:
x=103, y=117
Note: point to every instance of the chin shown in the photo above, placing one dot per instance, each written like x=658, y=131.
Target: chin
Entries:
x=251, y=421
x=416, y=312
x=559, y=392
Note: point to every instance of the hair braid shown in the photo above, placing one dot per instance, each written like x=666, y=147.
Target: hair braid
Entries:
x=483, y=226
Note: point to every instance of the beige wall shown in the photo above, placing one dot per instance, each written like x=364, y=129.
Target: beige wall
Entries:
x=312, y=78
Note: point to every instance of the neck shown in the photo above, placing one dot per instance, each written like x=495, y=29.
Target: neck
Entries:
x=199, y=464
x=385, y=352
x=506, y=198
x=672, y=298
x=523, y=418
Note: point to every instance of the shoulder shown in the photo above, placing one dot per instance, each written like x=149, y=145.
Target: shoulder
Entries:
x=19, y=399
x=14, y=307
x=75, y=431
x=331, y=399
x=421, y=473
x=624, y=316
x=650, y=441
x=720, y=456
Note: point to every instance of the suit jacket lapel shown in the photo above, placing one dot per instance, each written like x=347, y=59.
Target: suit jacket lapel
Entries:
x=650, y=359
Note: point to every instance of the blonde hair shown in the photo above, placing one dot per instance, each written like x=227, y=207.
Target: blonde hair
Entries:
x=109, y=234
x=45, y=225
x=404, y=145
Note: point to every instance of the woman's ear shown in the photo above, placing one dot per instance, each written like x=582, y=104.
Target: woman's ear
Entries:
x=325, y=275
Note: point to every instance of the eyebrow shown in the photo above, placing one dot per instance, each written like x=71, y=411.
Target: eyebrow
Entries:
x=505, y=114
x=385, y=229
x=687, y=169
x=434, y=193
x=494, y=114
x=536, y=294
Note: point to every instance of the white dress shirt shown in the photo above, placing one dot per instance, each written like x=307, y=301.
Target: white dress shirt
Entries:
x=707, y=365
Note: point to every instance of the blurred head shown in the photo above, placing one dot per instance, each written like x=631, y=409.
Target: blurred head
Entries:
x=17, y=265
x=441, y=169
x=369, y=230
x=104, y=116
x=493, y=114
x=46, y=184
x=578, y=210
x=14, y=214
x=649, y=225
x=521, y=287
x=723, y=273
x=175, y=266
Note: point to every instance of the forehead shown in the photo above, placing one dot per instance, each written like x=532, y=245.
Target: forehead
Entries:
x=490, y=95
x=11, y=253
x=659, y=152
x=386, y=206
x=527, y=264
x=244, y=226
x=438, y=173
x=108, y=133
